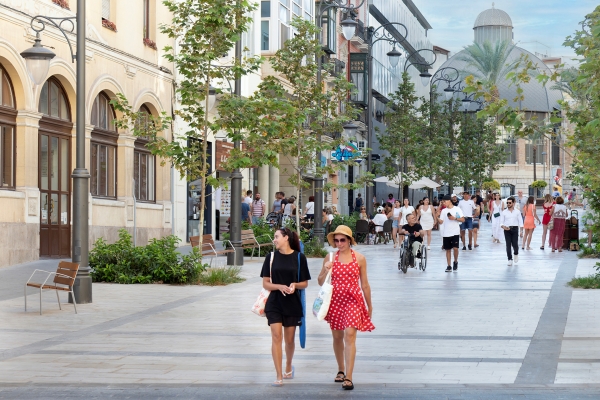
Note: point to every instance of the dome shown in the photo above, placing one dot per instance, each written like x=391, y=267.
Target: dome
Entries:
x=493, y=17
x=538, y=97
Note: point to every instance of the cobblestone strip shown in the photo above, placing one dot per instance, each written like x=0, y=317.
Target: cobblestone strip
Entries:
x=541, y=360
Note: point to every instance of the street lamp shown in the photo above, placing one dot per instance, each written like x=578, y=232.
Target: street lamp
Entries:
x=37, y=60
x=348, y=29
x=350, y=129
x=389, y=33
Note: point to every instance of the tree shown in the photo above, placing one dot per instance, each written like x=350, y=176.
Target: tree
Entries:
x=292, y=116
x=584, y=111
x=204, y=31
x=415, y=138
x=478, y=153
x=488, y=62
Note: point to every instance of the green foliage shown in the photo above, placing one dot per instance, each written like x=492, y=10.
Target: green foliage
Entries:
x=290, y=112
x=313, y=248
x=584, y=111
x=539, y=184
x=491, y=185
x=348, y=220
x=586, y=282
x=204, y=31
x=488, y=62
x=159, y=261
x=221, y=276
x=262, y=232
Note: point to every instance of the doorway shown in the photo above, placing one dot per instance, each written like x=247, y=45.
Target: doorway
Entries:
x=55, y=195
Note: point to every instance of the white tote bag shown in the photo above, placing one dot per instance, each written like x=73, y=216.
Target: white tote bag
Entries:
x=258, y=307
x=323, y=300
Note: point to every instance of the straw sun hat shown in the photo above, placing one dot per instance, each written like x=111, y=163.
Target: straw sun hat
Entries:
x=341, y=230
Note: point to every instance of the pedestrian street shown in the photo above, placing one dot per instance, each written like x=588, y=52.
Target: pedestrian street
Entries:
x=485, y=330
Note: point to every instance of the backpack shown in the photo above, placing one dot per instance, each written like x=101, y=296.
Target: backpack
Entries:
x=358, y=204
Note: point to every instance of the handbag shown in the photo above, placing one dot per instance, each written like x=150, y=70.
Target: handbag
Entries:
x=323, y=300
x=551, y=224
x=258, y=307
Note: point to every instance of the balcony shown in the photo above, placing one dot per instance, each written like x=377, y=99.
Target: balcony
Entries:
x=333, y=65
x=359, y=39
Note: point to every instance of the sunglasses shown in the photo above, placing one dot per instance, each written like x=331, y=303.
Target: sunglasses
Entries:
x=509, y=202
x=342, y=240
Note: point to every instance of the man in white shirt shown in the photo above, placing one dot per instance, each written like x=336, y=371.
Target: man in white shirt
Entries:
x=248, y=198
x=379, y=220
x=467, y=206
x=449, y=220
x=511, y=221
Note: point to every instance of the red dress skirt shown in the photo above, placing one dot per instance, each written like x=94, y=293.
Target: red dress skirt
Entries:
x=547, y=215
x=348, y=308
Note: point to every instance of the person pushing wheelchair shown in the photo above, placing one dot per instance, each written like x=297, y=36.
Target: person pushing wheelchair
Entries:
x=414, y=232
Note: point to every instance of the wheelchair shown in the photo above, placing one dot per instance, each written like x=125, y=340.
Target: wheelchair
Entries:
x=407, y=258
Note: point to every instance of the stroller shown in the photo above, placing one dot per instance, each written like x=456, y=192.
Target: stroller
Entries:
x=273, y=219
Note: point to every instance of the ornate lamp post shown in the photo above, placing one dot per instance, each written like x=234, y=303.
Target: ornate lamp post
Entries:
x=37, y=60
x=382, y=33
x=348, y=30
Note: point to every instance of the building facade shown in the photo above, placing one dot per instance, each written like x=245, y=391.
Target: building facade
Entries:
x=38, y=128
x=546, y=155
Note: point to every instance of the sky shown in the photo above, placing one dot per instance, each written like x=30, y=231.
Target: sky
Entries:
x=539, y=25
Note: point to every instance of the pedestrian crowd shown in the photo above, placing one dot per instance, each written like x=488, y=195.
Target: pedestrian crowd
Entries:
x=349, y=308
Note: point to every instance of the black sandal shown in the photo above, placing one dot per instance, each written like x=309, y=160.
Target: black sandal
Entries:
x=347, y=387
x=339, y=378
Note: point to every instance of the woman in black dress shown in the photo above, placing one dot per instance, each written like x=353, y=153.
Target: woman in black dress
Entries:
x=284, y=307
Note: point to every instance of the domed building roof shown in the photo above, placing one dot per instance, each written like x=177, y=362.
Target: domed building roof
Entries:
x=493, y=17
x=538, y=97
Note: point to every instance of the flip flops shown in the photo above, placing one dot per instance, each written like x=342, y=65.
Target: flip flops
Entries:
x=289, y=375
x=277, y=383
x=346, y=386
x=338, y=378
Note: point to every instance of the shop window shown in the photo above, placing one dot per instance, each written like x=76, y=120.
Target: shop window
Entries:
x=8, y=115
x=103, y=154
x=144, y=163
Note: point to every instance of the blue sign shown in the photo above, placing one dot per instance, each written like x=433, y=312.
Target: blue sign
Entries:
x=348, y=152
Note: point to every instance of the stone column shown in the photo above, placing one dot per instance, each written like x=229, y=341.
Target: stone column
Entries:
x=263, y=183
x=274, y=186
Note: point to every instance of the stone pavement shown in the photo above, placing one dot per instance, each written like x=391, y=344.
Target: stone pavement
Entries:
x=486, y=331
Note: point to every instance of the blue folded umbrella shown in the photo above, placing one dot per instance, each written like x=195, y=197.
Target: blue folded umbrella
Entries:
x=303, y=299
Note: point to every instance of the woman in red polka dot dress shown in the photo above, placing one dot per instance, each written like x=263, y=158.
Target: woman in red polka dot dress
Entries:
x=350, y=309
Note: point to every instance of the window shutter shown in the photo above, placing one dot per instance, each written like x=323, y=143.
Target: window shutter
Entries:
x=106, y=9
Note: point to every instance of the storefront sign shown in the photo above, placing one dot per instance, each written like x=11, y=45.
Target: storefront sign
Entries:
x=347, y=152
x=222, y=149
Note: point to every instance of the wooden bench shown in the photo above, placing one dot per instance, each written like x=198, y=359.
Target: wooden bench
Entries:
x=210, y=248
x=249, y=241
x=64, y=276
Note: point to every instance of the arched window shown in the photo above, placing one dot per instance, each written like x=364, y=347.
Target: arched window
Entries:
x=144, y=163
x=103, y=160
x=8, y=118
x=53, y=101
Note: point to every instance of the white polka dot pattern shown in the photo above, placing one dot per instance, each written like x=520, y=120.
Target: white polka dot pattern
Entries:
x=348, y=308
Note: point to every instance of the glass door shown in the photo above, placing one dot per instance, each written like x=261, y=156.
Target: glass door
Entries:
x=55, y=191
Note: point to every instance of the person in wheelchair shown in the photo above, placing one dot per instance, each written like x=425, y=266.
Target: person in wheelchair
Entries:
x=414, y=233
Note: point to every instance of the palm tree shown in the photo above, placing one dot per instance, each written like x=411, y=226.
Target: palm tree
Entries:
x=488, y=62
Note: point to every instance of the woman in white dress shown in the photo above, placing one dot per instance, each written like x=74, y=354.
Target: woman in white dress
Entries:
x=426, y=220
x=495, y=210
x=405, y=211
x=396, y=220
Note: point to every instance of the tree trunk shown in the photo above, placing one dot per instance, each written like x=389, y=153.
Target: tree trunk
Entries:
x=534, y=160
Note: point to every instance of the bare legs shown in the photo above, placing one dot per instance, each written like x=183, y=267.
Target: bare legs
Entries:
x=475, y=231
x=527, y=238
x=276, y=347
x=544, y=232
x=394, y=237
x=449, y=255
x=462, y=236
x=344, y=348
x=428, y=237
